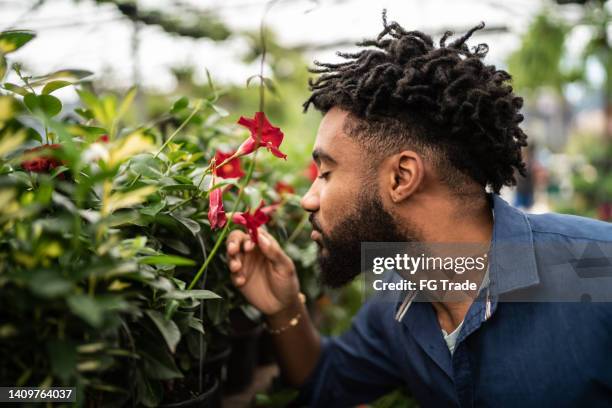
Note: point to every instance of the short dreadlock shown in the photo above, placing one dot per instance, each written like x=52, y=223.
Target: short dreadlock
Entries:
x=441, y=100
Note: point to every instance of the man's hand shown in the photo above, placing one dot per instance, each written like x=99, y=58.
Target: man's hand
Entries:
x=263, y=273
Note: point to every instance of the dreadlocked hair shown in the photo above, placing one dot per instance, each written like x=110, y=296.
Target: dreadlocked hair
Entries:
x=443, y=101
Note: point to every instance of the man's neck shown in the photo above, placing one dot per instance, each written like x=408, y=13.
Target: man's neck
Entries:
x=445, y=223
x=450, y=314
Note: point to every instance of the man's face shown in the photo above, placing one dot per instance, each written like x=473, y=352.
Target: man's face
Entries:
x=345, y=204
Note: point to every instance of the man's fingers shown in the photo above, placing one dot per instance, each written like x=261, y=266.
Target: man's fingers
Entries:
x=235, y=265
x=235, y=241
x=270, y=248
x=248, y=245
x=238, y=280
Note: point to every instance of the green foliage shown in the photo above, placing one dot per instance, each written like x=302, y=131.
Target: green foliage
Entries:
x=200, y=25
x=396, y=399
x=11, y=41
x=102, y=232
x=537, y=63
x=591, y=178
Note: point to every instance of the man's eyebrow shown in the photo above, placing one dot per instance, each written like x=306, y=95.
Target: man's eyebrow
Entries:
x=319, y=155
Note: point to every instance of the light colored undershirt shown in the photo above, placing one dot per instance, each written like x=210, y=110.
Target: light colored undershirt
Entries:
x=451, y=338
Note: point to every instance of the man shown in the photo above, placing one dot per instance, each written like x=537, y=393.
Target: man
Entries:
x=412, y=137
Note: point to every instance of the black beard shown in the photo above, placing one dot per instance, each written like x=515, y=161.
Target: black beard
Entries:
x=369, y=223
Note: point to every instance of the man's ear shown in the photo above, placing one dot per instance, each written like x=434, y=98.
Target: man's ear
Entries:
x=406, y=173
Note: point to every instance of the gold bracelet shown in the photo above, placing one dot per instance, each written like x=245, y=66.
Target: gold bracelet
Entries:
x=292, y=322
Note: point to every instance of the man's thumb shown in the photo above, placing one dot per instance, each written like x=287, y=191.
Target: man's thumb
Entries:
x=268, y=247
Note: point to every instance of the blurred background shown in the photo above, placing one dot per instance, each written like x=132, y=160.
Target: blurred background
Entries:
x=557, y=51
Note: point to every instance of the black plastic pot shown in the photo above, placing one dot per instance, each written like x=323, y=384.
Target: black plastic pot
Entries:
x=215, y=366
x=204, y=400
x=242, y=362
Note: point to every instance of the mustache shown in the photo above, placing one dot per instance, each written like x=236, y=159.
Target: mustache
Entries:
x=315, y=224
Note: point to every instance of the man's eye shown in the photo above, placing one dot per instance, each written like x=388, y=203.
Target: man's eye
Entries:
x=324, y=175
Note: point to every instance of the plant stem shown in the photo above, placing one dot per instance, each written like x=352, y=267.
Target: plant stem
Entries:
x=225, y=230
x=182, y=125
x=298, y=228
x=172, y=136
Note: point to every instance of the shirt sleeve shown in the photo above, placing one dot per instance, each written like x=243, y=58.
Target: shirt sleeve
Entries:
x=358, y=366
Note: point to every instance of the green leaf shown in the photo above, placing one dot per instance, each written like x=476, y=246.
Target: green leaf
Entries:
x=182, y=179
x=31, y=101
x=128, y=198
x=153, y=209
x=166, y=260
x=200, y=294
x=149, y=393
x=196, y=325
x=126, y=103
x=47, y=104
x=178, y=187
x=220, y=111
x=13, y=40
x=190, y=224
x=84, y=113
x=11, y=141
x=211, y=84
x=66, y=74
x=54, y=85
x=15, y=88
x=146, y=170
x=171, y=307
x=87, y=309
x=167, y=328
x=179, y=105
x=217, y=311
x=50, y=105
x=49, y=284
x=160, y=366
x=63, y=358
x=284, y=397
x=268, y=83
x=3, y=66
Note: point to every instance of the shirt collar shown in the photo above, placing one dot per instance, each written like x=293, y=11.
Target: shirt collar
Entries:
x=512, y=262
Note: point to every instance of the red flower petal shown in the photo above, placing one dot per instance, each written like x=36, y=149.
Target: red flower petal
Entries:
x=43, y=163
x=269, y=136
x=216, y=212
x=239, y=218
x=232, y=169
x=247, y=147
x=283, y=188
x=276, y=152
x=312, y=172
x=253, y=221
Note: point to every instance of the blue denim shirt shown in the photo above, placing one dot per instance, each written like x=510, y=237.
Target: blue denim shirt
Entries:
x=511, y=352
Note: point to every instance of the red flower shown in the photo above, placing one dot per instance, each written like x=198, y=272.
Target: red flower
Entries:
x=312, y=171
x=216, y=212
x=270, y=137
x=43, y=163
x=103, y=139
x=284, y=188
x=252, y=222
x=229, y=169
x=604, y=211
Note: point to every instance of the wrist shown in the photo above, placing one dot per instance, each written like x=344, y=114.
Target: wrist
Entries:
x=293, y=309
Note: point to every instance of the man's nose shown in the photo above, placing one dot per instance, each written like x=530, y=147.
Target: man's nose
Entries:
x=310, y=200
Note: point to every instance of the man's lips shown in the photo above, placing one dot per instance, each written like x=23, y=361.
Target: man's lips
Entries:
x=315, y=236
